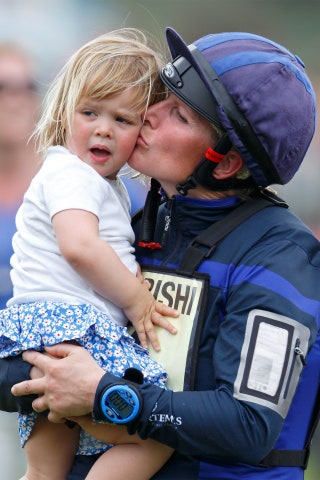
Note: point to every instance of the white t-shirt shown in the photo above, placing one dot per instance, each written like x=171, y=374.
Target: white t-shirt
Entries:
x=39, y=271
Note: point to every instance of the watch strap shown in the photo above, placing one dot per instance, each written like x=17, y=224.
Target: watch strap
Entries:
x=132, y=379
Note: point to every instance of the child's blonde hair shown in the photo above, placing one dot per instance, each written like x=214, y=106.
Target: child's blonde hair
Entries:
x=104, y=66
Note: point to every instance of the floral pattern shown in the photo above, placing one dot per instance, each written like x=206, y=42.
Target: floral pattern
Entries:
x=36, y=325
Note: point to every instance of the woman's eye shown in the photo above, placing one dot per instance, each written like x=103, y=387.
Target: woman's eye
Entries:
x=181, y=117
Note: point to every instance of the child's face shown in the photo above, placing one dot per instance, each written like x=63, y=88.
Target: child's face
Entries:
x=104, y=132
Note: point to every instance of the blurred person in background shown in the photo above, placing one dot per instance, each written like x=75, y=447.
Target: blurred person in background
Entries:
x=19, y=110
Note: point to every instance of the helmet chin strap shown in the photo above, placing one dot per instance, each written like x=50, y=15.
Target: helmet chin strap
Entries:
x=153, y=200
x=202, y=174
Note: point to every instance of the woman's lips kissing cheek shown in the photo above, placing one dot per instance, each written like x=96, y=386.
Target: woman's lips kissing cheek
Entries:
x=141, y=141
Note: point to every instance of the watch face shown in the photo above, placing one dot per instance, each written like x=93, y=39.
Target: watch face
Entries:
x=120, y=403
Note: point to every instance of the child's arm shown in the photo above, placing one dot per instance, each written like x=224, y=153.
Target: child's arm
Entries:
x=77, y=233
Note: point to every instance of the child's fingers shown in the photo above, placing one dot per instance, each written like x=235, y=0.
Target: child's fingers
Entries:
x=164, y=309
x=163, y=322
x=140, y=331
x=152, y=335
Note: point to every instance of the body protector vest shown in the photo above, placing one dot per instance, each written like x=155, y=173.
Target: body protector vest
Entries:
x=186, y=286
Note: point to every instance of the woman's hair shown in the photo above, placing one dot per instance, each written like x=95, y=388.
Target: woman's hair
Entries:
x=107, y=65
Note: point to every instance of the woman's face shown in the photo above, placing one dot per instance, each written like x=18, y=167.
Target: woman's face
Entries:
x=172, y=141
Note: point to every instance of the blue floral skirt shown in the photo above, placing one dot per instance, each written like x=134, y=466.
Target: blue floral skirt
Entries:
x=36, y=325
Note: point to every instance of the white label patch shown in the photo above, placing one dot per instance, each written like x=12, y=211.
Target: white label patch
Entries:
x=268, y=359
x=269, y=368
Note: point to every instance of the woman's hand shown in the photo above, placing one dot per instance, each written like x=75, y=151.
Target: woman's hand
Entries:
x=68, y=385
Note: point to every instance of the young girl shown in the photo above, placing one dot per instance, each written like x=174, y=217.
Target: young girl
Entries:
x=73, y=269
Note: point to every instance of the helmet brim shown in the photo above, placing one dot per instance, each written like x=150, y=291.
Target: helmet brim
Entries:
x=182, y=77
x=178, y=46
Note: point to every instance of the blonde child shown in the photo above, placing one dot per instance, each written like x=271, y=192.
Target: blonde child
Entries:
x=74, y=272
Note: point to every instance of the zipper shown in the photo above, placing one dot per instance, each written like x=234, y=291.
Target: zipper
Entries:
x=297, y=353
x=167, y=223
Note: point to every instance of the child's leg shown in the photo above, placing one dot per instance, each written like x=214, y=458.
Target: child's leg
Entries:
x=131, y=458
x=50, y=450
x=131, y=461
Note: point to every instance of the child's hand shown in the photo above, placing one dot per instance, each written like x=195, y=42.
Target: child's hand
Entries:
x=145, y=314
x=159, y=317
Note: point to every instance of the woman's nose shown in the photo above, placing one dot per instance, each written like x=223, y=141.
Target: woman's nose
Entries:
x=153, y=114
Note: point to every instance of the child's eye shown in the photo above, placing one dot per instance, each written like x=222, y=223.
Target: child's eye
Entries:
x=123, y=120
x=88, y=113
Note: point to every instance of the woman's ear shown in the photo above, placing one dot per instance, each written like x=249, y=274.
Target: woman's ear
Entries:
x=229, y=165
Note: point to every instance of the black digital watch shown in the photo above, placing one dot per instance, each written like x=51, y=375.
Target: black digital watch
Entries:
x=120, y=402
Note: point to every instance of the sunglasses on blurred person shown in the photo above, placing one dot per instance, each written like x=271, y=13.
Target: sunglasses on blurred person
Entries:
x=17, y=88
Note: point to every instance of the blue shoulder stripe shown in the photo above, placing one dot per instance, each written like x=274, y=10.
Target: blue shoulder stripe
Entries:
x=261, y=277
x=258, y=276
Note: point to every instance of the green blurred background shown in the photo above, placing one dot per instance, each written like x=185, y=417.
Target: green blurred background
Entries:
x=52, y=29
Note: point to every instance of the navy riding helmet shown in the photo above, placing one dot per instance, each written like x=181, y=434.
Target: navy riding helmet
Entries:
x=256, y=91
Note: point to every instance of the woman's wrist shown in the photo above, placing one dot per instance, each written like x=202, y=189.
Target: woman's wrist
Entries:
x=14, y=370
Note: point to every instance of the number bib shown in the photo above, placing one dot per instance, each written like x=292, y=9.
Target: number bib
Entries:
x=188, y=295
